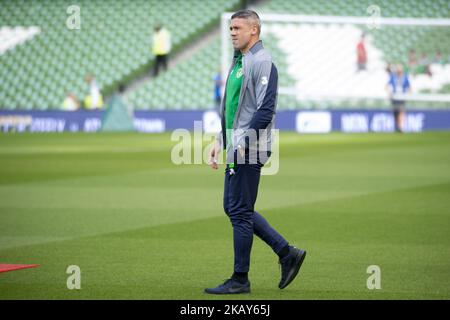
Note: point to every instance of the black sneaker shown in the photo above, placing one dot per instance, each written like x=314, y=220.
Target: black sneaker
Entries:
x=290, y=266
x=230, y=286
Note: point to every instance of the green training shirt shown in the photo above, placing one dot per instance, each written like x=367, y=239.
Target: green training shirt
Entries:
x=233, y=92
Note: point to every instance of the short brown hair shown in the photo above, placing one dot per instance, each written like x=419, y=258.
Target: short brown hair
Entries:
x=248, y=15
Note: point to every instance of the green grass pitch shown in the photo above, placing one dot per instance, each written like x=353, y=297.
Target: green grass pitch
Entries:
x=140, y=227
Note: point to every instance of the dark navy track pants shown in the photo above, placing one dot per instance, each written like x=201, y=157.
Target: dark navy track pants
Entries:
x=240, y=192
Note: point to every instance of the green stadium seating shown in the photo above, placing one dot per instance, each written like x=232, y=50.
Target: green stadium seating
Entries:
x=192, y=89
x=114, y=44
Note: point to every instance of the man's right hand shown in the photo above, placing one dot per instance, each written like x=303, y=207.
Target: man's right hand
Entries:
x=213, y=155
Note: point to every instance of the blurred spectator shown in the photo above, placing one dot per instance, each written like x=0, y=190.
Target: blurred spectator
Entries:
x=424, y=65
x=412, y=61
x=361, y=54
x=95, y=99
x=389, y=68
x=438, y=58
x=218, y=90
x=398, y=84
x=161, y=48
x=71, y=102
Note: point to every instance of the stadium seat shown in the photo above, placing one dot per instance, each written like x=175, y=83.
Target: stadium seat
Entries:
x=114, y=40
x=43, y=68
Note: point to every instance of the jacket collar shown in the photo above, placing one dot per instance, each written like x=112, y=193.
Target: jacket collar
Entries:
x=254, y=49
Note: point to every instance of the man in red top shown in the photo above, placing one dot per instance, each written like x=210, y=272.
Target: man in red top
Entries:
x=361, y=54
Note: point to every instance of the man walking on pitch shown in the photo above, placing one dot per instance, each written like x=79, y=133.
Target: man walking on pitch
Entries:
x=248, y=113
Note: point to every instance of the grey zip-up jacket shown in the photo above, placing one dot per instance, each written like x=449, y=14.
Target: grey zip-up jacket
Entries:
x=255, y=114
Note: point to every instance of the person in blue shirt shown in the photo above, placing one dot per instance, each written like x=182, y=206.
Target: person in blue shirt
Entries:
x=217, y=90
x=398, y=84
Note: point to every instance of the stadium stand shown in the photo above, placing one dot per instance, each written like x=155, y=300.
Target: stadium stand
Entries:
x=308, y=58
x=190, y=84
x=399, y=8
x=39, y=72
x=113, y=43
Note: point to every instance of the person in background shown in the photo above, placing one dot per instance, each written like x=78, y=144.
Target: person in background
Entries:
x=412, y=61
x=217, y=91
x=71, y=102
x=161, y=48
x=438, y=59
x=95, y=99
x=424, y=65
x=389, y=68
x=361, y=54
x=398, y=84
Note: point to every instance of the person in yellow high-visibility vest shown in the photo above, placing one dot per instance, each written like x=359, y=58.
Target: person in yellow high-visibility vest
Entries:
x=161, y=48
